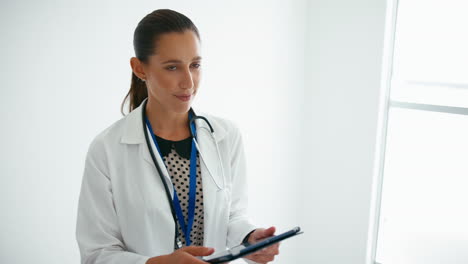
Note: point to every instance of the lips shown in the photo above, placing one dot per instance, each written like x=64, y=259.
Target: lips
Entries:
x=184, y=98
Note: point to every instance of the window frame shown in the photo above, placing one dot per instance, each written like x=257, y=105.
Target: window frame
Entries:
x=385, y=105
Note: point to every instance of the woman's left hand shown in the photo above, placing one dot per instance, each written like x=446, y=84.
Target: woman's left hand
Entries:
x=267, y=254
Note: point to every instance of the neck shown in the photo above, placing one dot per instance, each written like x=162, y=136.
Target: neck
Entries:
x=166, y=124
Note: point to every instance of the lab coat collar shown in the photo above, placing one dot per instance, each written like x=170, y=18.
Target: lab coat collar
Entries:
x=133, y=132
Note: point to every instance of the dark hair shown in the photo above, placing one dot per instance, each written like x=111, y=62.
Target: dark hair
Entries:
x=145, y=37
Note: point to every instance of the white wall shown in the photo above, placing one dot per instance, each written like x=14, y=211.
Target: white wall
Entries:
x=300, y=78
x=345, y=45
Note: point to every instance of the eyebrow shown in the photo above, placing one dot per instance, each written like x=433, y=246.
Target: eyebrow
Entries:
x=179, y=61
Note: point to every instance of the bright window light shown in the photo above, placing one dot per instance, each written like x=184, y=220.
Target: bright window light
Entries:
x=424, y=198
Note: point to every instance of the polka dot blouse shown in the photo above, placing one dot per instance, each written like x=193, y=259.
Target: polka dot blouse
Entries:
x=176, y=157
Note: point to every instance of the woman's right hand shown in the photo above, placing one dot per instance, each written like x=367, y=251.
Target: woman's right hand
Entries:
x=185, y=255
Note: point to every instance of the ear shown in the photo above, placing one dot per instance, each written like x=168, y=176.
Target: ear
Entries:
x=137, y=68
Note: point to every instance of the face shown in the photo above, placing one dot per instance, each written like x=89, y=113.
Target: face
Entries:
x=173, y=73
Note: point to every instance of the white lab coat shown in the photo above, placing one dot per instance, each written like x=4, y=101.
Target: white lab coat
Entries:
x=123, y=212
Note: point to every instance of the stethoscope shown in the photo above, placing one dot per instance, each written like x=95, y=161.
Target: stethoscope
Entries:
x=174, y=204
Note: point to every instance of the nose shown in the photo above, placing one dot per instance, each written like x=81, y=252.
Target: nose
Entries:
x=186, y=81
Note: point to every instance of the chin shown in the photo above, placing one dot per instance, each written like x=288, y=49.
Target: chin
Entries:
x=183, y=108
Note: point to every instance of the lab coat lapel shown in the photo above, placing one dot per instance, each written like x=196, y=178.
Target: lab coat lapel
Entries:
x=209, y=161
x=144, y=151
x=134, y=134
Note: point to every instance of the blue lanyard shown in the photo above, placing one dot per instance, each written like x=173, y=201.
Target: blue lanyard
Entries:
x=186, y=228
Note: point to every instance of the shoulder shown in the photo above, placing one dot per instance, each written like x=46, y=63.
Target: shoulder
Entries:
x=221, y=122
x=107, y=138
x=224, y=128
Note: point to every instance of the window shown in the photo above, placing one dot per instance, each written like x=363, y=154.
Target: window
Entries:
x=423, y=216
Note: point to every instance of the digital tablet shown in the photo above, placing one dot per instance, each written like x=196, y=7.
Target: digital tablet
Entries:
x=246, y=248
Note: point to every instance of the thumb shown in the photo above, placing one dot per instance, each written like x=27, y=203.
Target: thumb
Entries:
x=266, y=232
x=198, y=251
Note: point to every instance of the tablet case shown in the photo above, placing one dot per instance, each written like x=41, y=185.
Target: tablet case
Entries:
x=246, y=248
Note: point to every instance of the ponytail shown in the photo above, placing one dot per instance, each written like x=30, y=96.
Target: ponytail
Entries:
x=135, y=96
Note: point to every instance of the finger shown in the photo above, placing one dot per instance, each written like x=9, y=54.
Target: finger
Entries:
x=261, y=258
x=273, y=249
x=269, y=251
x=189, y=259
x=198, y=251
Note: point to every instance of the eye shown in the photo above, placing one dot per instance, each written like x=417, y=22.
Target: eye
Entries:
x=196, y=65
x=171, y=68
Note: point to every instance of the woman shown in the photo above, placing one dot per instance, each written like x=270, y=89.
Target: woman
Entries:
x=157, y=187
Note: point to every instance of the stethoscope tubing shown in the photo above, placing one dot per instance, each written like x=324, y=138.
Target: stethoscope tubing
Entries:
x=206, y=165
